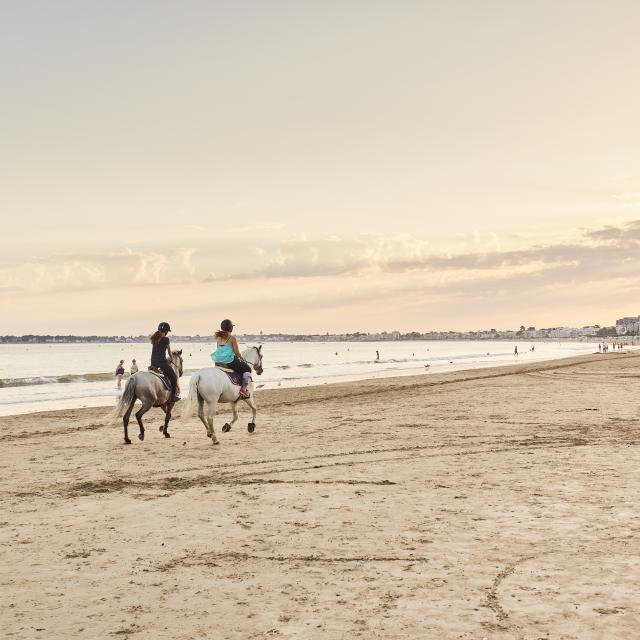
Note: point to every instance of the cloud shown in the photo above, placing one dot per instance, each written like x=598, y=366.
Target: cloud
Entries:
x=608, y=252
x=70, y=272
x=597, y=253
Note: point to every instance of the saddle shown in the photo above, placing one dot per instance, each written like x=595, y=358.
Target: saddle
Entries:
x=235, y=378
x=157, y=371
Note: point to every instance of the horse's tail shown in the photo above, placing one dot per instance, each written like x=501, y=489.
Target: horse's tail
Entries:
x=191, y=403
x=126, y=399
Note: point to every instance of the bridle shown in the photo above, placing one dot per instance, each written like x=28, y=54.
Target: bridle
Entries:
x=257, y=366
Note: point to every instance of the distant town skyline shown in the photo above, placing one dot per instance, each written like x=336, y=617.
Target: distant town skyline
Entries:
x=627, y=326
x=302, y=167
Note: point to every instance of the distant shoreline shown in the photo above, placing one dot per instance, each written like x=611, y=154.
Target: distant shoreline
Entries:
x=22, y=340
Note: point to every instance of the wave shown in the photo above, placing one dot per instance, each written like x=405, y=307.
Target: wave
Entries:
x=69, y=377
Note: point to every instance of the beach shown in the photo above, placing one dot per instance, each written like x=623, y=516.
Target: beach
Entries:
x=492, y=503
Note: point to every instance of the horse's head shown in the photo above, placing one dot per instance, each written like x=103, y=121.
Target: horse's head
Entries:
x=177, y=360
x=253, y=355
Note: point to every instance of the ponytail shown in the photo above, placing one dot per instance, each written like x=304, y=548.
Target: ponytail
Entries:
x=154, y=338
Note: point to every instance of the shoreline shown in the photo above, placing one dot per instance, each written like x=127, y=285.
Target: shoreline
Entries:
x=392, y=378
x=59, y=389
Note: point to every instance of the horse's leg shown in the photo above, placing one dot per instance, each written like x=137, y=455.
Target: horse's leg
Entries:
x=213, y=406
x=251, y=427
x=202, y=416
x=234, y=409
x=125, y=421
x=146, y=405
x=164, y=410
x=166, y=420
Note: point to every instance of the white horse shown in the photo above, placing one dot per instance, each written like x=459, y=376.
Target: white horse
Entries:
x=211, y=385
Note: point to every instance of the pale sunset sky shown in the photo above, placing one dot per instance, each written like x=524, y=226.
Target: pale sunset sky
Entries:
x=318, y=166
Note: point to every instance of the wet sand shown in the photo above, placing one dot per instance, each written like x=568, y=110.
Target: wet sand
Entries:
x=499, y=503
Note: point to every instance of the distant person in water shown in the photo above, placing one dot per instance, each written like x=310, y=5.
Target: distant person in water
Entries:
x=134, y=366
x=162, y=346
x=120, y=373
x=515, y=351
x=228, y=354
x=378, y=356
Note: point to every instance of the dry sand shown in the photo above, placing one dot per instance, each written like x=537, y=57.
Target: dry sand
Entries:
x=499, y=503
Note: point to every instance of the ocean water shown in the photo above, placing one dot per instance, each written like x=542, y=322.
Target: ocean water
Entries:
x=39, y=377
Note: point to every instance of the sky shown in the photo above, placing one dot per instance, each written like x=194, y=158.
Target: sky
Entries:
x=318, y=166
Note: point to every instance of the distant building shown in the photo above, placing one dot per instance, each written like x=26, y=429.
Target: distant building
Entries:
x=587, y=331
x=560, y=332
x=625, y=325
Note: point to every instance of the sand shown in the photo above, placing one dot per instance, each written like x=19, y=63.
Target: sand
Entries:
x=501, y=503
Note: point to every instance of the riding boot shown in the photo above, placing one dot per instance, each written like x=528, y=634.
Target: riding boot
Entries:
x=246, y=378
x=174, y=392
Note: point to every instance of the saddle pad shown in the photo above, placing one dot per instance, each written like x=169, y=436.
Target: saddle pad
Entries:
x=163, y=378
x=236, y=378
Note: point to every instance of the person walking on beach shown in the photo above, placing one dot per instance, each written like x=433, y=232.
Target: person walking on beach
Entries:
x=134, y=367
x=120, y=373
x=162, y=346
x=228, y=354
x=515, y=351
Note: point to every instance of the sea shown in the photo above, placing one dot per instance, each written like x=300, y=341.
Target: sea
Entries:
x=42, y=377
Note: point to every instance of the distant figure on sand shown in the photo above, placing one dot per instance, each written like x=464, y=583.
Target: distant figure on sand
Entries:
x=377, y=356
x=120, y=373
x=515, y=351
x=134, y=367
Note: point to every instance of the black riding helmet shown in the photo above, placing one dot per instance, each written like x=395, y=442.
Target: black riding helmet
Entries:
x=164, y=326
x=226, y=325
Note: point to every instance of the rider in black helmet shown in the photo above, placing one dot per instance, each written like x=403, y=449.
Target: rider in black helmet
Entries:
x=161, y=345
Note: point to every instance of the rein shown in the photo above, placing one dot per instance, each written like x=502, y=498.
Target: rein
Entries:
x=174, y=365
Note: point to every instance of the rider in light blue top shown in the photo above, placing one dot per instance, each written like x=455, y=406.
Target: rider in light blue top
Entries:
x=223, y=354
x=228, y=354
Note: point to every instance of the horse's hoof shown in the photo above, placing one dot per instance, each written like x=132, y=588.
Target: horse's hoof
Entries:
x=215, y=442
x=127, y=441
x=226, y=428
x=161, y=428
x=167, y=435
x=251, y=427
x=141, y=436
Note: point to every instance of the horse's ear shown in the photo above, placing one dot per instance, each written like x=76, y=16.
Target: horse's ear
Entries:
x=259, y=348
x=178, y=352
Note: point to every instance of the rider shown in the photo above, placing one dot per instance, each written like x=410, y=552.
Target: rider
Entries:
x=228, y=354
x=161, y=345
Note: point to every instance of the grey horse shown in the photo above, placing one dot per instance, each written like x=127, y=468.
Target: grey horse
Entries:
x=150, y=390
